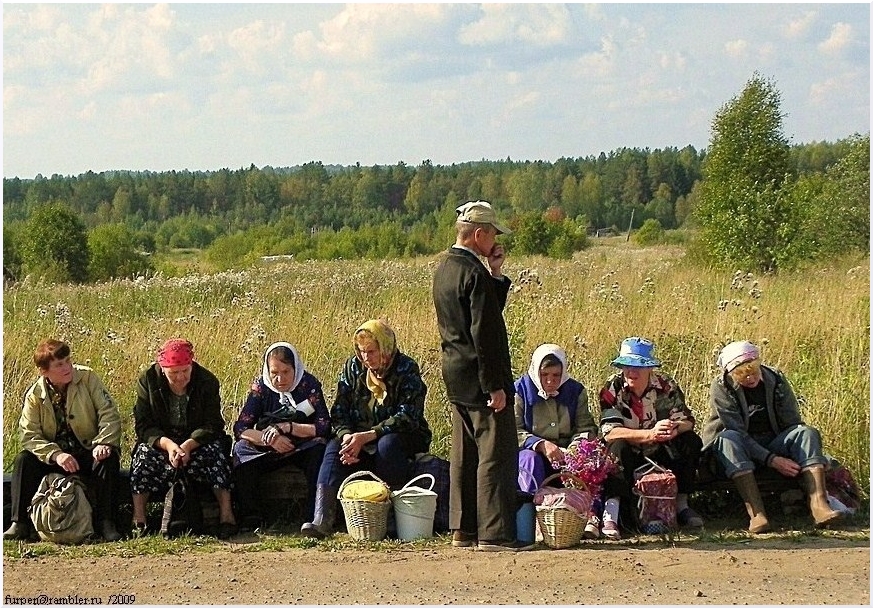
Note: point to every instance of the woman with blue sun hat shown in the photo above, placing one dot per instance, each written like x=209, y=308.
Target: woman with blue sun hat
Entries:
x=643, y=414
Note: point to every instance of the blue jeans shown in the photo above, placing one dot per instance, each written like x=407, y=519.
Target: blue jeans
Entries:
x=391, y=461
x=801, y=443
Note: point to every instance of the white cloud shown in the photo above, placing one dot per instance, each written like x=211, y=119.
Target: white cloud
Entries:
x=797, y=28
x=736, y=48
x=841, y=36
x=361, y=32
x=536, y=24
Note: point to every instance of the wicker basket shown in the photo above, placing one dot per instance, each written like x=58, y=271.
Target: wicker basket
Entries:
x=365, y=520
x=561, y=526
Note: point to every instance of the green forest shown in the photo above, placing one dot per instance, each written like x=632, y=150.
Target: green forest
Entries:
x=97, y=226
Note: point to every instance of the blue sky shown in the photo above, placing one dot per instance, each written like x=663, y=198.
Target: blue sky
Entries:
x=206, y=86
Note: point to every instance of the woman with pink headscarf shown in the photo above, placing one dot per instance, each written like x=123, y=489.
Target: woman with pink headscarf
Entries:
x=178, y=425
x=754, y=422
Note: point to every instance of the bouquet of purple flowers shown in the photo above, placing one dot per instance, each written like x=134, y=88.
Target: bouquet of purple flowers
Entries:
x=590, y=461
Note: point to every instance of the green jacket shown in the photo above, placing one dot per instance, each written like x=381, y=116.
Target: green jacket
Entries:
x=92, y=414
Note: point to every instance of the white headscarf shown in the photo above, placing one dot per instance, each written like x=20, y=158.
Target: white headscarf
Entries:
x=537, y=359
x=284, y=397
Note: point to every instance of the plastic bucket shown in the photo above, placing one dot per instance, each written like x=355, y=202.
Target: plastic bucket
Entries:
x=414, y=509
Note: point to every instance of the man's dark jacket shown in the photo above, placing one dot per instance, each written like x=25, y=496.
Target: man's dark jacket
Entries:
x=475, y=346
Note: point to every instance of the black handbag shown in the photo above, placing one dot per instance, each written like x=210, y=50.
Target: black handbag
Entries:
x=182, y=509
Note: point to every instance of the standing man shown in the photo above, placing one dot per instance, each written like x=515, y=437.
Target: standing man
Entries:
x=477, y=371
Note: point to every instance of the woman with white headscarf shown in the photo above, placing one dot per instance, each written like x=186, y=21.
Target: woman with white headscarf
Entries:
x=283, y=422
x=551, y=411
x=754, y=421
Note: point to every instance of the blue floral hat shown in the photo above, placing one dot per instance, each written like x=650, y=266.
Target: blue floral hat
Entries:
x=636, y=352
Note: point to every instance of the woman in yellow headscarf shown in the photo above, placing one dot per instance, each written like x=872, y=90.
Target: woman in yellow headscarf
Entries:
x=378, y=417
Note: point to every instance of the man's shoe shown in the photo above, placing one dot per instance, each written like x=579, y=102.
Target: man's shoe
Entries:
x=108, y=531
x=20, y=531
x=610, y=530
x=250, y=523
x=689, y=518
x=463, y=539
x=226, y=530
x=507, y=545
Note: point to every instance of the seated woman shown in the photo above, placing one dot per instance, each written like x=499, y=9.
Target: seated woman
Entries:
x=378, y=417
x=283, y=422
x=643, y=414
x=754, y=422
x=69, y=425
x=178, y=423
x=551, y=412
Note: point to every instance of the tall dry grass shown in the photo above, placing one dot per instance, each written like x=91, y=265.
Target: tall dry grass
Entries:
x=815, y=325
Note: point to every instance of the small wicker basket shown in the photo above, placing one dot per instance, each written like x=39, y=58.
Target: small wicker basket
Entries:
x=365, y=519
x=561, y=526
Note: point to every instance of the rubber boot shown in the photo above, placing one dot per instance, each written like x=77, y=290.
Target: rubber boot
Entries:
x=813, y=483
x=325, y=513
x=747, y=486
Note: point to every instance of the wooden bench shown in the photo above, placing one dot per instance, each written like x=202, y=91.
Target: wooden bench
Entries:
x=284, y=494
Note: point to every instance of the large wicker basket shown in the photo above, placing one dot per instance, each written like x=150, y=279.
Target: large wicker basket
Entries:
x=561, y=526
x=365, y=519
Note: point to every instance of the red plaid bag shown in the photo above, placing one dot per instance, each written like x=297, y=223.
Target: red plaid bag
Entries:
x=657, y=489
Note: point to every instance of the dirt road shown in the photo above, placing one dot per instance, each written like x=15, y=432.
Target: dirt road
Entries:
x=766, y=571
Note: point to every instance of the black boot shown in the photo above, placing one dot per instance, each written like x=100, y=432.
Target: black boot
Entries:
x=108, y=531
x=325, y=513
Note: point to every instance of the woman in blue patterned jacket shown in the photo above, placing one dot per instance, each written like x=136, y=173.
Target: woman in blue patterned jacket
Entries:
x=378, y=418
x=284, y=422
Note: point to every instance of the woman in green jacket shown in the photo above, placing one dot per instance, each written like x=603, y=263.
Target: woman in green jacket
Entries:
x=70, y=425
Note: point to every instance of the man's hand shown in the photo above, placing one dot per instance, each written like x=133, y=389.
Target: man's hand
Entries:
x=497, y=401
x=495, y=260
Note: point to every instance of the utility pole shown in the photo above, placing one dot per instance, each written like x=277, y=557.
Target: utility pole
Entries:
x=629, y=226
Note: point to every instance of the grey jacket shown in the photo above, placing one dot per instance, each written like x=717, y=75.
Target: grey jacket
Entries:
x=729, y=410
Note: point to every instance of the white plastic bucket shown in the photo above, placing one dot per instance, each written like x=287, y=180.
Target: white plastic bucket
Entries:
x=414, y=509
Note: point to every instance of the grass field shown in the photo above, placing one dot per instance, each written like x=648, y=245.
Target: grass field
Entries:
x=814, y=324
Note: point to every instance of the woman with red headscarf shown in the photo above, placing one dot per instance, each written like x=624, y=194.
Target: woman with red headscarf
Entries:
x=179, y=426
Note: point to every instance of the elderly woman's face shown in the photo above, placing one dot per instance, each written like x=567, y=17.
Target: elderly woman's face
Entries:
x=59, y=372
x=370, y=354
x=550, y=378
x=637, y=378
x=281, y=374
x=747, y=375
x=178, y=376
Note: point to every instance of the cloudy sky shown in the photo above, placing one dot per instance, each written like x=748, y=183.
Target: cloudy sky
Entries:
x=206, y=86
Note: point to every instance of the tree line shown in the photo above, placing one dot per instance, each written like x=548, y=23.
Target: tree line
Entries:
x=315, y=211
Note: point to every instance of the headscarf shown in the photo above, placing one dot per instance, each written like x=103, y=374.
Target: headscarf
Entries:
x=530, y=389
x=536, y=361
x=175, y=352
x=285, y=398
x=736, y=353
x=387, y=344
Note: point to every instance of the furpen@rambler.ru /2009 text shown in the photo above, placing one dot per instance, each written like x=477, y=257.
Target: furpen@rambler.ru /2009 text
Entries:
x=43, y=599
